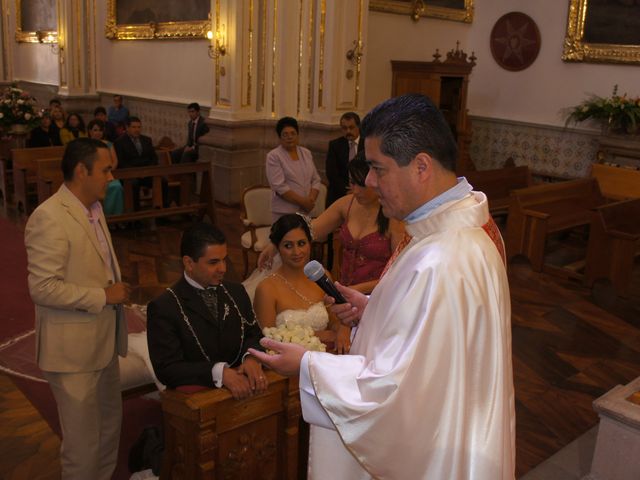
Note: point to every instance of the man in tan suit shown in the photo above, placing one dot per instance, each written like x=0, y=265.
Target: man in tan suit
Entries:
x=74, y=281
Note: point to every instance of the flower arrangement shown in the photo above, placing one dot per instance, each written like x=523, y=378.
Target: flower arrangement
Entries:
x=302, y=335
x=617, y=113
x=18, y=107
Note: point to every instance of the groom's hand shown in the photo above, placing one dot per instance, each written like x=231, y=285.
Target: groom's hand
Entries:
x=286, y=360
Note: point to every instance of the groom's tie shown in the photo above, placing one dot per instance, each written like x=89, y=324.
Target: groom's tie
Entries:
x=210, y=298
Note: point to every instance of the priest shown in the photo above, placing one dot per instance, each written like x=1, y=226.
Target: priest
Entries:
x=427, y=390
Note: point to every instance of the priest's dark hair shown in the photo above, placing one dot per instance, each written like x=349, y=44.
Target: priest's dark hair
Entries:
x=81, y=150
x=198, y=237
x=285, y=224
x=286, y=122
x=408, y=125
x=358, y=171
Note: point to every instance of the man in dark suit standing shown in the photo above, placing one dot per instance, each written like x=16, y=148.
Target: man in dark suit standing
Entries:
x=341, y=151
x=195, y=129
x=199, y=330
x=136, y=150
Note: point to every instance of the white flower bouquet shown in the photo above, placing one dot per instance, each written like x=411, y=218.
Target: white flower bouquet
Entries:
x=302, y=335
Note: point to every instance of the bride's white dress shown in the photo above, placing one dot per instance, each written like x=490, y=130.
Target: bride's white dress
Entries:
x=315, y=316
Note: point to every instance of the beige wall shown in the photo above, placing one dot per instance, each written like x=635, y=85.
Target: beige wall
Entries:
x=533, y=95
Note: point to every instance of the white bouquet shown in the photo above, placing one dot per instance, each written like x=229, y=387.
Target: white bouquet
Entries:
x=302, y=335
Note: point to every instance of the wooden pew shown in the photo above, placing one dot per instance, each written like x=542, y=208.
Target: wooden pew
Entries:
x=25, y=171
x=183, y=171
x=209, y=435
x=617, y=183
x=614, y=239
x=48, y=177
x=538, y=211
x=497, y=185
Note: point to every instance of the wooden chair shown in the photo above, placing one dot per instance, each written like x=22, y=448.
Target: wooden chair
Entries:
x=165, y=144
x=497, y=185
x=25, y=172
x=256, y=217
x=49, y=177
x=614, y=240
x=617, y=183
x=538, y=211
x=209, y=435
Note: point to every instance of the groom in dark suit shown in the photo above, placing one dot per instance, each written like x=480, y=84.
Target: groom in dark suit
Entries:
x=199, y=330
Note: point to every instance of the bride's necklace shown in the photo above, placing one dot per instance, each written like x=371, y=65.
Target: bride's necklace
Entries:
x=291, y=287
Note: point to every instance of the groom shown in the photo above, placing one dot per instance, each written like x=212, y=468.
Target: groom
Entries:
x=431, y=360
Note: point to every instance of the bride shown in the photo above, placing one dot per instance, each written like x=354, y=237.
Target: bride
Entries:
x=287, y=296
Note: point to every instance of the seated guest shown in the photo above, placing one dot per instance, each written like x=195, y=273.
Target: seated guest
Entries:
x=136, y=150
x=73, y=128
x=57, y=124
x=113, y=203
x=367, y=236
x=199, y=330
x=291, y=173
x=287, y=296
x=100, y=113
x=117, y=112
x=41, y=135
x=195, y=129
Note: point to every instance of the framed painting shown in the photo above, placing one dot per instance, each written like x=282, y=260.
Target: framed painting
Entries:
x=36, y=21
x=456, y=10
x=151, y=19
x=603, y=31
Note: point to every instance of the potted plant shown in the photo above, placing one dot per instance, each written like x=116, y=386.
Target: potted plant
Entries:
x=617, y=114
x=18, y=113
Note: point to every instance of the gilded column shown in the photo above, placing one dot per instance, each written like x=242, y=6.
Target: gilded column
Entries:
x=77, y=47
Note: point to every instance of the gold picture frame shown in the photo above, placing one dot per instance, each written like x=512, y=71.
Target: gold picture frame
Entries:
x=592, y=32
x=35, y=34
x=153, y=30
x=422, y=8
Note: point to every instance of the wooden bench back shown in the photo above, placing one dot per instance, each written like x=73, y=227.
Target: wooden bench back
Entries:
x=616, y=182
x=49, y=175
x=621, y=216
x=499, y=183
x=25, y=158
x=583, y=193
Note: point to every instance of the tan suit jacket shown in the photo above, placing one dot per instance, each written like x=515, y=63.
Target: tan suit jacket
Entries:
x=75, y=329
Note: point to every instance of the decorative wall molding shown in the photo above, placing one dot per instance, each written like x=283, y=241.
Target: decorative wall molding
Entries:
x=549, y=151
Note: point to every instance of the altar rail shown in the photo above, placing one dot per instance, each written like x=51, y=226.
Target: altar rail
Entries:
x=209, y=435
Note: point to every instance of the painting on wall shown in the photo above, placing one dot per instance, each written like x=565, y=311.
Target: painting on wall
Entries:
x=36, y=21
x=603, y=31
x=150, y=19
x=457, y=10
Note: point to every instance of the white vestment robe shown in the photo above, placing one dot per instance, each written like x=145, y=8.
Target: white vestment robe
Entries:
x=427, y=389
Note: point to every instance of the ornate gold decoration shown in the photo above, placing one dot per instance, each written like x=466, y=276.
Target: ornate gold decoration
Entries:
x=323, y=19
x=576, y=49
x=152, y=30
x=41, y=36
x=419, y=8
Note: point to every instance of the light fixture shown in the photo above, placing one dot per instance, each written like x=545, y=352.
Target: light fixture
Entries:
x=354, y=55
x=51, y=39
x=218, y=49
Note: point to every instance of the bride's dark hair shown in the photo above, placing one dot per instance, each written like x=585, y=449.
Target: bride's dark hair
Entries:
x=285, y=224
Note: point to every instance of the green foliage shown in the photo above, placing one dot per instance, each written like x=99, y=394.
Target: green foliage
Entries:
x=617, y=113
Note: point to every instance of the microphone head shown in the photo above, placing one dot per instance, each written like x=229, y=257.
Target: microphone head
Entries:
x=314, y=270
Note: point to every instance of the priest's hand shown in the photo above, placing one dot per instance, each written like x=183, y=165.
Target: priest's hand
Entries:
x=286, y=360
x=237, y=383
x=253, y=371
x=265, y=260
x=348, y=313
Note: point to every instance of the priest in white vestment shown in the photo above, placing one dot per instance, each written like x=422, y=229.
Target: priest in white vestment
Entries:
x=427, y=389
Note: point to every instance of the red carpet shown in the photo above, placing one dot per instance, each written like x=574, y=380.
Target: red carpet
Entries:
x=17, y=320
